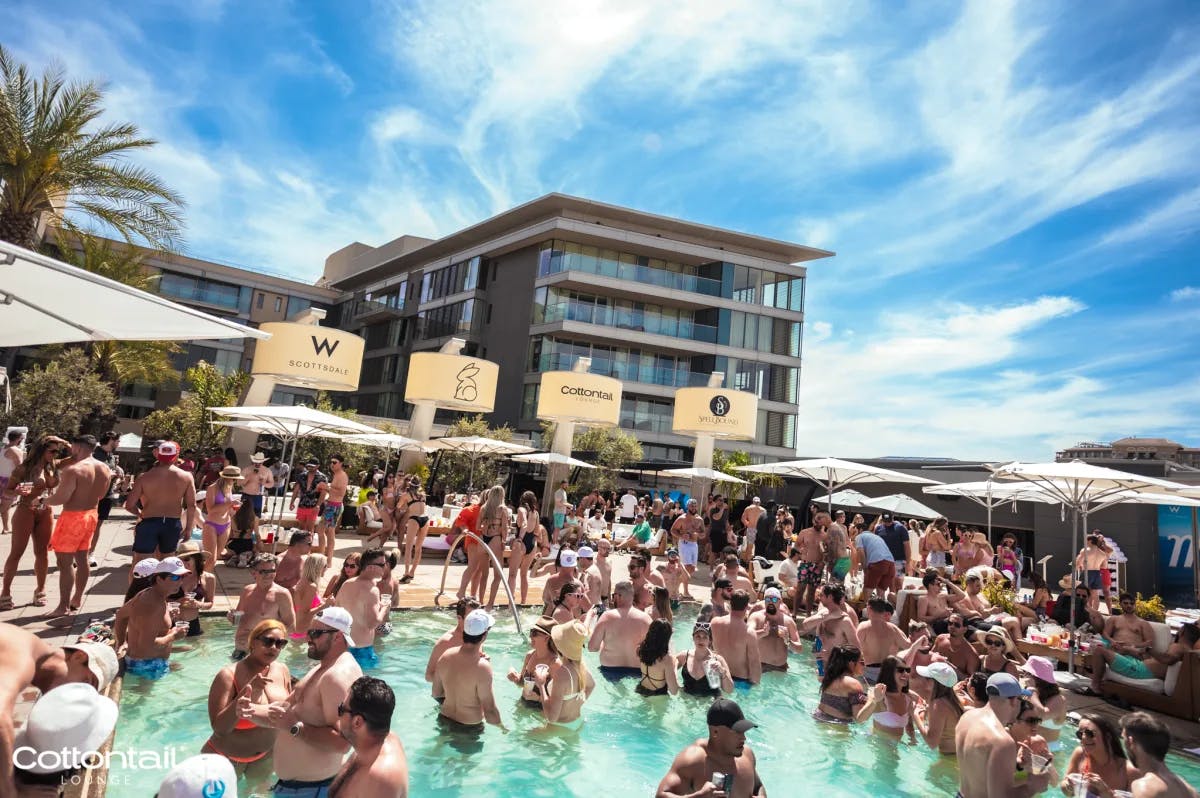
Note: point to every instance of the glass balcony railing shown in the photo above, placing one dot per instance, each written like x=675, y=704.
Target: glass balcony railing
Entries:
x=624, y=319
x=622, y=270
x=627, y=372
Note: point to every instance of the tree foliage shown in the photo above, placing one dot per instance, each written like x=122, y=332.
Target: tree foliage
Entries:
x=727, y=461
x=59, y=396
x=454, y=469
x=612, y=449
x=188, y=421
x=59, y=160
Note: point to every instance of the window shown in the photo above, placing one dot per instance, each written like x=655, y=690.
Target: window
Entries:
x=278, y=304
x=258, y=303
x=456, y=278
x=198, y=289
x=454, y=319
x=296, y=304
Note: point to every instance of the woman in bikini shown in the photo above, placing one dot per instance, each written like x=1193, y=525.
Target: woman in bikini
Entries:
x=416, y=526
x=1002, y=656
x=246, y=735
x=494, y=520
x=307, y=594
x=198, y=586
x=349, y=571
x=32, y=518
x=567, y=685
x=843, y=698
x=1099, y=759
x=896, y=715
x=540, y=655
x=965, y=554
x=937, y=720
x=219, y=507
x=656, y=661
x=526, y=545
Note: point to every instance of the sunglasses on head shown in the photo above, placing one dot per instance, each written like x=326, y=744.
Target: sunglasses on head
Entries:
x=1085, y=734
x=273, y=642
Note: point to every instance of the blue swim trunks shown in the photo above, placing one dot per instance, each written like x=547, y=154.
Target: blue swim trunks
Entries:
x=1130, y=667
x=615, y=673
x=365, y=656
x=742, y=684
x=302, y=789
x=155, y=668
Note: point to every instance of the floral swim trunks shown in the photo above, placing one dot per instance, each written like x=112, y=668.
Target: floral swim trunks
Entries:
x=808, y=573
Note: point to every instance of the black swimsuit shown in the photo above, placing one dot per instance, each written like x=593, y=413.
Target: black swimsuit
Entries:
x=693, y=686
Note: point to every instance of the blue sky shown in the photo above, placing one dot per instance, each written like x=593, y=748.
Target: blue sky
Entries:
x=1011, y=189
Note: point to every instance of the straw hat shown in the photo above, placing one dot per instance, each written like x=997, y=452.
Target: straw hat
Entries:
x=190, y=547
x=998, y=631
x=569, y=638
x=231, y=472
x=545, y=625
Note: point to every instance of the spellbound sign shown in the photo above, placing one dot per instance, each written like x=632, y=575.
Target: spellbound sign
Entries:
x=580, y=398
x=455, y=382
x=309, y=356
x=715, y=411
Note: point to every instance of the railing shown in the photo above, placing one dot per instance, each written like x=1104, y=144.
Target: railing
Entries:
x=607, y=267
x=629, y=372
x=512, y=604
x=621, y=319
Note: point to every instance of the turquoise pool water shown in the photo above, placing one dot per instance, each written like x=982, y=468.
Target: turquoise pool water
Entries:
x=624, y=748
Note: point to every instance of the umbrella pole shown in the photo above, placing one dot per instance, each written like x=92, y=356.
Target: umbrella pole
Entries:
x=1195, y=557
x=1075, y=547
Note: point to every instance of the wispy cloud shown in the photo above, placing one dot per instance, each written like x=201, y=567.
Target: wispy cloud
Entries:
x=1185, y=294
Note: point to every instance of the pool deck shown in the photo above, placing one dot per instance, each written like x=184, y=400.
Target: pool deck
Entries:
x=108, y=583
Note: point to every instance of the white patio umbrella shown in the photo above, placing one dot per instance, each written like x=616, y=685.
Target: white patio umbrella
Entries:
x=46, y=301
x=475, y=447
x=386, y=440
x=552, y=458
x=901, y=504
x=990, y=494
x=1083, y=488
x=844, y=498
x=834, y=474
x=704, y=473
x=129, y=442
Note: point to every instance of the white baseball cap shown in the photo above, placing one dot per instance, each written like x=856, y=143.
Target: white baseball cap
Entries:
x=337, y=618
x=167, y=450
x=73, y=720
x=477, y=622
x=568, y=558
x=199, y=777
x=585, y=553
x=145, y=567
x=171, y=565
x=941, y=672
x=102, y=661
x=772, y=592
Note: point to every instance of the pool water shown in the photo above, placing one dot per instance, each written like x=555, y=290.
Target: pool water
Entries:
x=624, y=748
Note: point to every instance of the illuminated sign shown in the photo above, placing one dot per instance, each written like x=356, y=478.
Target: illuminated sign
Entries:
x=580, y=398
x=715, y=411
x=455, y=382
x=309, y=356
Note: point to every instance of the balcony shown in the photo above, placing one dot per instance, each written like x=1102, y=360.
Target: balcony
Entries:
x=623, y=267
x=625, y=371
x=633, y=321
x=369, y=310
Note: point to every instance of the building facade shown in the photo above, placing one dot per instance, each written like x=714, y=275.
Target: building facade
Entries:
x=1134, y=449
x=658, y=303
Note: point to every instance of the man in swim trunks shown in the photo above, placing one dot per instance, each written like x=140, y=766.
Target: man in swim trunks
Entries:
x=453, y=638
x=360, y=597
x=834, y=624
x=686, y=532
x=737, y=643
x=750, y=517
x=837, y=547
x=988, y=755
x=618, y=633
x=879, y=638
x=871, y=554
x=673, y=575
x=1093, y=562
x=83, y=482
x=718, y=606
x=311, y=489
x=258, y=480
x=260, y=600
x=331, y=512
x=810, y=542
x=933, y=608
x=604, y=568
x=308, y=747
x=644, y=581
x=145, y=629
x=378, y=766
x=290, y=565
x=158, y=498
x=776, y=632
x=724, y=754
x=589, y=574
x=719, y=533
x=462, y=678
x=1129, y=641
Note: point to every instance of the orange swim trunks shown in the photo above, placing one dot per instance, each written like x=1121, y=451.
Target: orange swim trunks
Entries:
x=74, y=531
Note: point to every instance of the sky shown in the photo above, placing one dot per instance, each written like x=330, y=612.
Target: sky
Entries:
x=1011, y=189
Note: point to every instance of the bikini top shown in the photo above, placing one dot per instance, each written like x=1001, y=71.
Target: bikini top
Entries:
x=578, y=695
x=243, y=724
x=651, y=681
x=843, y=703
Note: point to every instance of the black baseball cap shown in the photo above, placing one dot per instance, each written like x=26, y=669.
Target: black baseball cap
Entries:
x=312, y=461
x=723, y=582
x=724, y=712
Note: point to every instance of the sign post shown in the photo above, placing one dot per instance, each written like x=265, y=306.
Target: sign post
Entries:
x=710, y=413
x=449, y=380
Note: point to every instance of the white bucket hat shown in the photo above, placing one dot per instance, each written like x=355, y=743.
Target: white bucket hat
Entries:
x=71, y=720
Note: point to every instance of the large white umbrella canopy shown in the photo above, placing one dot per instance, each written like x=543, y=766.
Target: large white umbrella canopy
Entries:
x=476, y=446
x=835, y=474
x=900, y=504
x=266, y=428
x=552, y=458
x=45, y=301
x=290, y=420
x=844, y=498
x=385, y=440
x=704, y=473
x=990, y=494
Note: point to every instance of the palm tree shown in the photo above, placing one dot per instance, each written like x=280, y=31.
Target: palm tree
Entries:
x=56, y=158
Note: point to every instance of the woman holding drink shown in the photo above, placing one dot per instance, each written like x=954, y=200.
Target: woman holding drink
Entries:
x=31, y=482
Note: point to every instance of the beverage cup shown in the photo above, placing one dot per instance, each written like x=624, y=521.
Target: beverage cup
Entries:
x=781, y=631
x=542, y=670
x=385, y=599
x=1038, y=764
x=173, y=608
x=235, y=617
x=181, y=624
x=712, y=672
x=530, y=684
x=1079, y=784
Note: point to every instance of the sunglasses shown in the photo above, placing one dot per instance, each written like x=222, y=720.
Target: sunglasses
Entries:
x=265, y=571
x=313, y=634
x=273, y=642
x=995, y=644
x=345, y=710
x=1085, y=734
x=955, y=625
x=1081, y=596
x=174, y=577
x=903, y=670
x=1034, y=721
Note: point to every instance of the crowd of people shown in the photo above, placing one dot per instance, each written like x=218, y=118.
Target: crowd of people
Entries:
x=954, y=679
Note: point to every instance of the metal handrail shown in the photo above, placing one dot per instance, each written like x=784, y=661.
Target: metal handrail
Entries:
x=512, y=604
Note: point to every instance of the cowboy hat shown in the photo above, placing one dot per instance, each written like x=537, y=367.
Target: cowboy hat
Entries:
x=981, y=636
x=257, y=457
x=189, y=547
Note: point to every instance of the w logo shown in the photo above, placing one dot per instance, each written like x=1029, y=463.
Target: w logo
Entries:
x=323, y=346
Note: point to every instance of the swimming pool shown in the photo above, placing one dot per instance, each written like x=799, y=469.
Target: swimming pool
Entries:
x=624, y=748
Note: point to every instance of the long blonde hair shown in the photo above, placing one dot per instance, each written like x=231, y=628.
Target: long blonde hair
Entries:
x=493, y=506
x=314, y=566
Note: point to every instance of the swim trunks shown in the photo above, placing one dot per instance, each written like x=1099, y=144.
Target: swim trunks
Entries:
x=1130, y=667
x=74, y=531
x=1094, y=580
x=689, y=552
x=256, y=501
x=365, y=656
x=840, y=568
x=615, y=673
x=936, y=559
x=808, y=573
x=742, y=684
x=157, y=534
x=818, y=646
x=154, y=668
x=332, y=513
x=302, y=789
x=871, y=674
x=559, y=520
x=306, y=514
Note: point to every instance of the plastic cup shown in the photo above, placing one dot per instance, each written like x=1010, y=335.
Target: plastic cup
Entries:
x=1079, y=783
x=1038, y=764
x=542, y=670
x=712, y=672
x=173, y=607
x=235, y=617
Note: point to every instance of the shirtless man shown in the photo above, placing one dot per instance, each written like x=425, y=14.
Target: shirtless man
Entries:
x=568, y=561
x=1131, y=640
x=750, y=518
x=731, y=569
x=309, y=747
x=589, y=575
x=837, y=547
x=360, y=597
x=287, y=570
x=331, y=515
x=934, y=608
x=158, y=498
x=733, y=640
x=776, y=632
x=1147, y=740
x=311, y=489
x=452, y=638
x=810, y=542
x=724, y=752
x=604, y=568
x=955, y=647
x=260, y=600
x=462, y=678
x=378, y=767
x=258, y=480
x=673, y=575
x=1093, y=560
x=644, y=581
x=145, y=629
x=28, y=661
x=83, y=482
x=833, y=624
x=686, y=533
x=718, y=606
x=878, y=637
x=987, y=753
x=618, y=633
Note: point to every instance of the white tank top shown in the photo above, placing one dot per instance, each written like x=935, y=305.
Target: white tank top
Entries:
x=6, y=463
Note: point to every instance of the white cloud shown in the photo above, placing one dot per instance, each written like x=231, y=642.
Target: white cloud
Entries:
x=1188, y=292
x=403, y=124
x=1179, y=216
